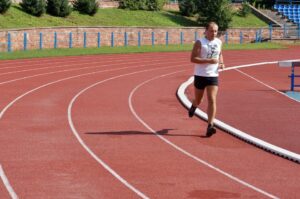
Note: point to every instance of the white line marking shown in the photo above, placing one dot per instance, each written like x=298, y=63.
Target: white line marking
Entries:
x=184, y=151
x=60, y=80
x=76, y=134
x=266, y=85
x=68, y=60
x=88, y=67
x=7, y=185
x=107, y=63
x=57, y=81
x=67, y=78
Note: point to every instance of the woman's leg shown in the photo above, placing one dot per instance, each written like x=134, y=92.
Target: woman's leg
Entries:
x=197, y=100
x=198, y=96
x=212, y=103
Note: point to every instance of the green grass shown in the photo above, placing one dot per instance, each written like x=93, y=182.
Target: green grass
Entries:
x=128, y=49
x=250, y=21
x=104, y=17
x=16, y=18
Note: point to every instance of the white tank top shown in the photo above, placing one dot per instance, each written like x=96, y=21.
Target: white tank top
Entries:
x=209, y=49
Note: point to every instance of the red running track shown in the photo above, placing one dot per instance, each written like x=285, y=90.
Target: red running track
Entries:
x=110, y=126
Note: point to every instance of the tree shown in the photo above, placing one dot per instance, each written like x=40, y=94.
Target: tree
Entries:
x=188, y=7
x=245, y=10
x=34, y=7
x=89, y=7
x=4, y=5
x=219, y=11
x=59, y=8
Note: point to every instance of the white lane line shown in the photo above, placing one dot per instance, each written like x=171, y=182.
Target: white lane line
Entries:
x=107, y=63
x=29, y=62
x=236, y=132
x=7, y=185
x=60, y=80
x=67, y=78
x=88, y=67
x=184, y=151
x=258, y=64
x=266, y=85
x=42, y=86
x=76, y=134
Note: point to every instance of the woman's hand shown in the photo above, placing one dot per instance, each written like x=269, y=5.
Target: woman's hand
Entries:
x=221, y=66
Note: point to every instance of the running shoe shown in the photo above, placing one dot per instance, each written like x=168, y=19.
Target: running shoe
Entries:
x=192, y=111
x=210, y=131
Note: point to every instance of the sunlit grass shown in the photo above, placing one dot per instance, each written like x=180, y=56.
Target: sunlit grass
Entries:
x=113, y=17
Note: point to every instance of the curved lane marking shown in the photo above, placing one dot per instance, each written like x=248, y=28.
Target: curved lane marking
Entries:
x=107, y=63
x=7, y=185
x=42, y=86
x=68, y=60
x=236, y=132
x=266, y=85
x=76, y=134
x=88, y=67
x=184, y=151
x=3, y=111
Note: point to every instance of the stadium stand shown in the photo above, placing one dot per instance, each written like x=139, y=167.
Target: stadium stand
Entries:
x=289, y=8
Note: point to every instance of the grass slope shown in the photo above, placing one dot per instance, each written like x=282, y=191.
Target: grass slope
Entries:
x=111, y=17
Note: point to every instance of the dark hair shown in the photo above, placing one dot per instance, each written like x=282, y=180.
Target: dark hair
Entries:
x=210, y=24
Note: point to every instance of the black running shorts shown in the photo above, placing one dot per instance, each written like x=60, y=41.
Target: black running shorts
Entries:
x=201, y=82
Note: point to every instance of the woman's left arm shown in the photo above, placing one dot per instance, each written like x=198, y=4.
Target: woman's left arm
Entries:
x=221, y=60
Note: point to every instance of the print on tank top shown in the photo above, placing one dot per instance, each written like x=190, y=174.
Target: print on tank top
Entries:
x=212, y=51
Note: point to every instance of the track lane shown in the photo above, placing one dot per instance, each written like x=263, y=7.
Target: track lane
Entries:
x=238, y=158
x=207, y=192
x=121, y=149
x=19, y=64
x=41, y=126
x=15, y=86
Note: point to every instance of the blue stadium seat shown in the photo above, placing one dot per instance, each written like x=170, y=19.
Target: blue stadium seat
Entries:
x=289, y=8
x=280, y=7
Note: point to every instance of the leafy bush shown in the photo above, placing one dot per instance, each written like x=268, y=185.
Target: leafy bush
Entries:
x=89, y=7
x=4, y=5
x=133, y=4
x=155, y=5
x=152, y=5
x=34, y=7
x=245, y=10
x=187, y=7
x=59, y=8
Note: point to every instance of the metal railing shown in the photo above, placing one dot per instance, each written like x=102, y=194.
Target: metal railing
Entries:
x=26, y=40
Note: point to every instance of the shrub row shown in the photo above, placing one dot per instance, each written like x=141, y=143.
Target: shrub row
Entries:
x=60, y=8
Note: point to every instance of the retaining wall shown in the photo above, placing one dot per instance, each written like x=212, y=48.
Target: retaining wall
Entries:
x=73, y=37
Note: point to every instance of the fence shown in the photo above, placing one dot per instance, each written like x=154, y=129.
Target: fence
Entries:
x=45, y=38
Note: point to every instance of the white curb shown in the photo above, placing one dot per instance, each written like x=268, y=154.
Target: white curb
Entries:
x=236, y=132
